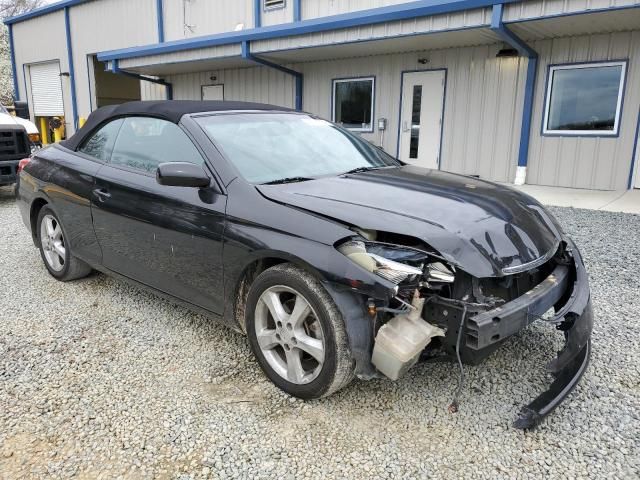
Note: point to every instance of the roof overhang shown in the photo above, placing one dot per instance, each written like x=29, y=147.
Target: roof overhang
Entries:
x=218, y=57
x=374, y=16
x=175, y=64
x=580, y=23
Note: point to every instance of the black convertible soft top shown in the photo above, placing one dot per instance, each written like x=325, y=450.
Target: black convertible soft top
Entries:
x=171, y=110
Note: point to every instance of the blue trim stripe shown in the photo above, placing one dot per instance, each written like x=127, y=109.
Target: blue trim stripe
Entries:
x=527, y=111
x=257, y=13
x=72, y=75
x=54, y=7
x=634, y=154
x=14, y=71
x=372, y=16
x=247, y=55
x=160, y=17
x=507, y=35
x=512, y=39
x=297, y=10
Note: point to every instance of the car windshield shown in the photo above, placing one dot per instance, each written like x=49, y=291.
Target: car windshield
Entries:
x=281, y=147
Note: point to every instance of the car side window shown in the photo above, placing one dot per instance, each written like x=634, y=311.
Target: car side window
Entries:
x=100, y=144
x=144, y=143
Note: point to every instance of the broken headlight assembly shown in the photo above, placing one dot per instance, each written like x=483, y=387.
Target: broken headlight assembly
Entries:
x=395, y=263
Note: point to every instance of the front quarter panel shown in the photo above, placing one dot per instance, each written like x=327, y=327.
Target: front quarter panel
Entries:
x=65, y=181
x=258, y=228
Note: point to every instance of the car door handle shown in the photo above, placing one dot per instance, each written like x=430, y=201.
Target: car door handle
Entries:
x=102, y=194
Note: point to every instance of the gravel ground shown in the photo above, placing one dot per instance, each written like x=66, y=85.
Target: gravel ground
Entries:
x=101, y=380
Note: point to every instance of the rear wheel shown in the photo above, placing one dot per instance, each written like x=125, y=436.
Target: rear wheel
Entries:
x=54, y=249
x=297, y=333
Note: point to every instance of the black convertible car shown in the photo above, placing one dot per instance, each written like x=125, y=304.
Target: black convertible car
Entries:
x=334, y=258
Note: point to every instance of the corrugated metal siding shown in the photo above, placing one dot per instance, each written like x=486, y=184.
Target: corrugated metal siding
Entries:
x=482, y=108
x=258, y=84
x=184, y=56
x=105, y=25
x=278, y=15
x=152, y=91
x=454, y=21
x=323, y=8
x=582, y=162
x=203, y=17
x=38, y=40
x=539, y=8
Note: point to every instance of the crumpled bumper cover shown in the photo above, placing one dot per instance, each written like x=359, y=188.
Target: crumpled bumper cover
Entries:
x=574, y=318
x=565, y=379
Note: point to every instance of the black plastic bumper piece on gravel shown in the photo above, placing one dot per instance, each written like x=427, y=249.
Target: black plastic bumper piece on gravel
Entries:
x=574, y=359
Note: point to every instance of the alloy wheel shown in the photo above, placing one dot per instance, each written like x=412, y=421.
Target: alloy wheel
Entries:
x=289, y=334
x=52, y=242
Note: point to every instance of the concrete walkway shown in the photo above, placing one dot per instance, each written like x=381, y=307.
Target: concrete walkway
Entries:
x=627, y=201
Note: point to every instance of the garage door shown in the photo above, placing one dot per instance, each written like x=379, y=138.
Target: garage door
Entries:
x=46, y=90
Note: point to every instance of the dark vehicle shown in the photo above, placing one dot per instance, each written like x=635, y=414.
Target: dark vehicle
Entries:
x=334, y=258
x=15, y=145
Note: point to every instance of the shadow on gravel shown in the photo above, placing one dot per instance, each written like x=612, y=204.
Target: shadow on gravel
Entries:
x=6, y=195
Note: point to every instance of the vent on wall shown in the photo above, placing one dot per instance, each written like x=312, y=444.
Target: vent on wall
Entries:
x=273, y=4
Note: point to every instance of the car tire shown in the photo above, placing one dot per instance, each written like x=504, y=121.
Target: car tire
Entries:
x=277, y=347
x=55, y=252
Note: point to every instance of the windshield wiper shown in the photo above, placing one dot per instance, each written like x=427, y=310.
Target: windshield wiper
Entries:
x=287, y=180
x=362, y=169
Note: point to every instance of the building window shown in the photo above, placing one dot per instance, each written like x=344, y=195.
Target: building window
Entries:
x=273, y=4
x=353, y=103
x=584, y=99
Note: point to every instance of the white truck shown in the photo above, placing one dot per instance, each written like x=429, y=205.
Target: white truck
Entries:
x=19, y=137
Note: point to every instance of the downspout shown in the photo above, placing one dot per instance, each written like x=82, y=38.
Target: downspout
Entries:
x=297, y=10
x=247, y=55
x=257, y=13
x=529, y=88
x=160, y=16
x=114, y=68
x=14, y=72
x=72, y=74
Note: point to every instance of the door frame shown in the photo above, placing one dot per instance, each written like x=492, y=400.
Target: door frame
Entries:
x=444, y=101
x=211, y=85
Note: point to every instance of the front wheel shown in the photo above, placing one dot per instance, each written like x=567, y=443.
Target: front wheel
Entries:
x=55, y=250
x=297, y=333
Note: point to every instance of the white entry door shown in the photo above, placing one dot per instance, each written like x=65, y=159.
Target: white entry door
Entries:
x=213, y=92
x=421, y=117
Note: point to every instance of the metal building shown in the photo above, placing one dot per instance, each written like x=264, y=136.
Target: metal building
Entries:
x=539, y=91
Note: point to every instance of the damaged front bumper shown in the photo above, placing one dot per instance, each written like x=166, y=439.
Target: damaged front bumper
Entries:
x=566, y=289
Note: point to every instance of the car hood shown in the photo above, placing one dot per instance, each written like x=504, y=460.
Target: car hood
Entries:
x=478, y=226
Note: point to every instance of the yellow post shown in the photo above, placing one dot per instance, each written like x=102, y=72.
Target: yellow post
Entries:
x=44, y=130
x=81, y=122
x=59, y=132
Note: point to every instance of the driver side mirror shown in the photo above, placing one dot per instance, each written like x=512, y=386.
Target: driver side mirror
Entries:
x=182, y=174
